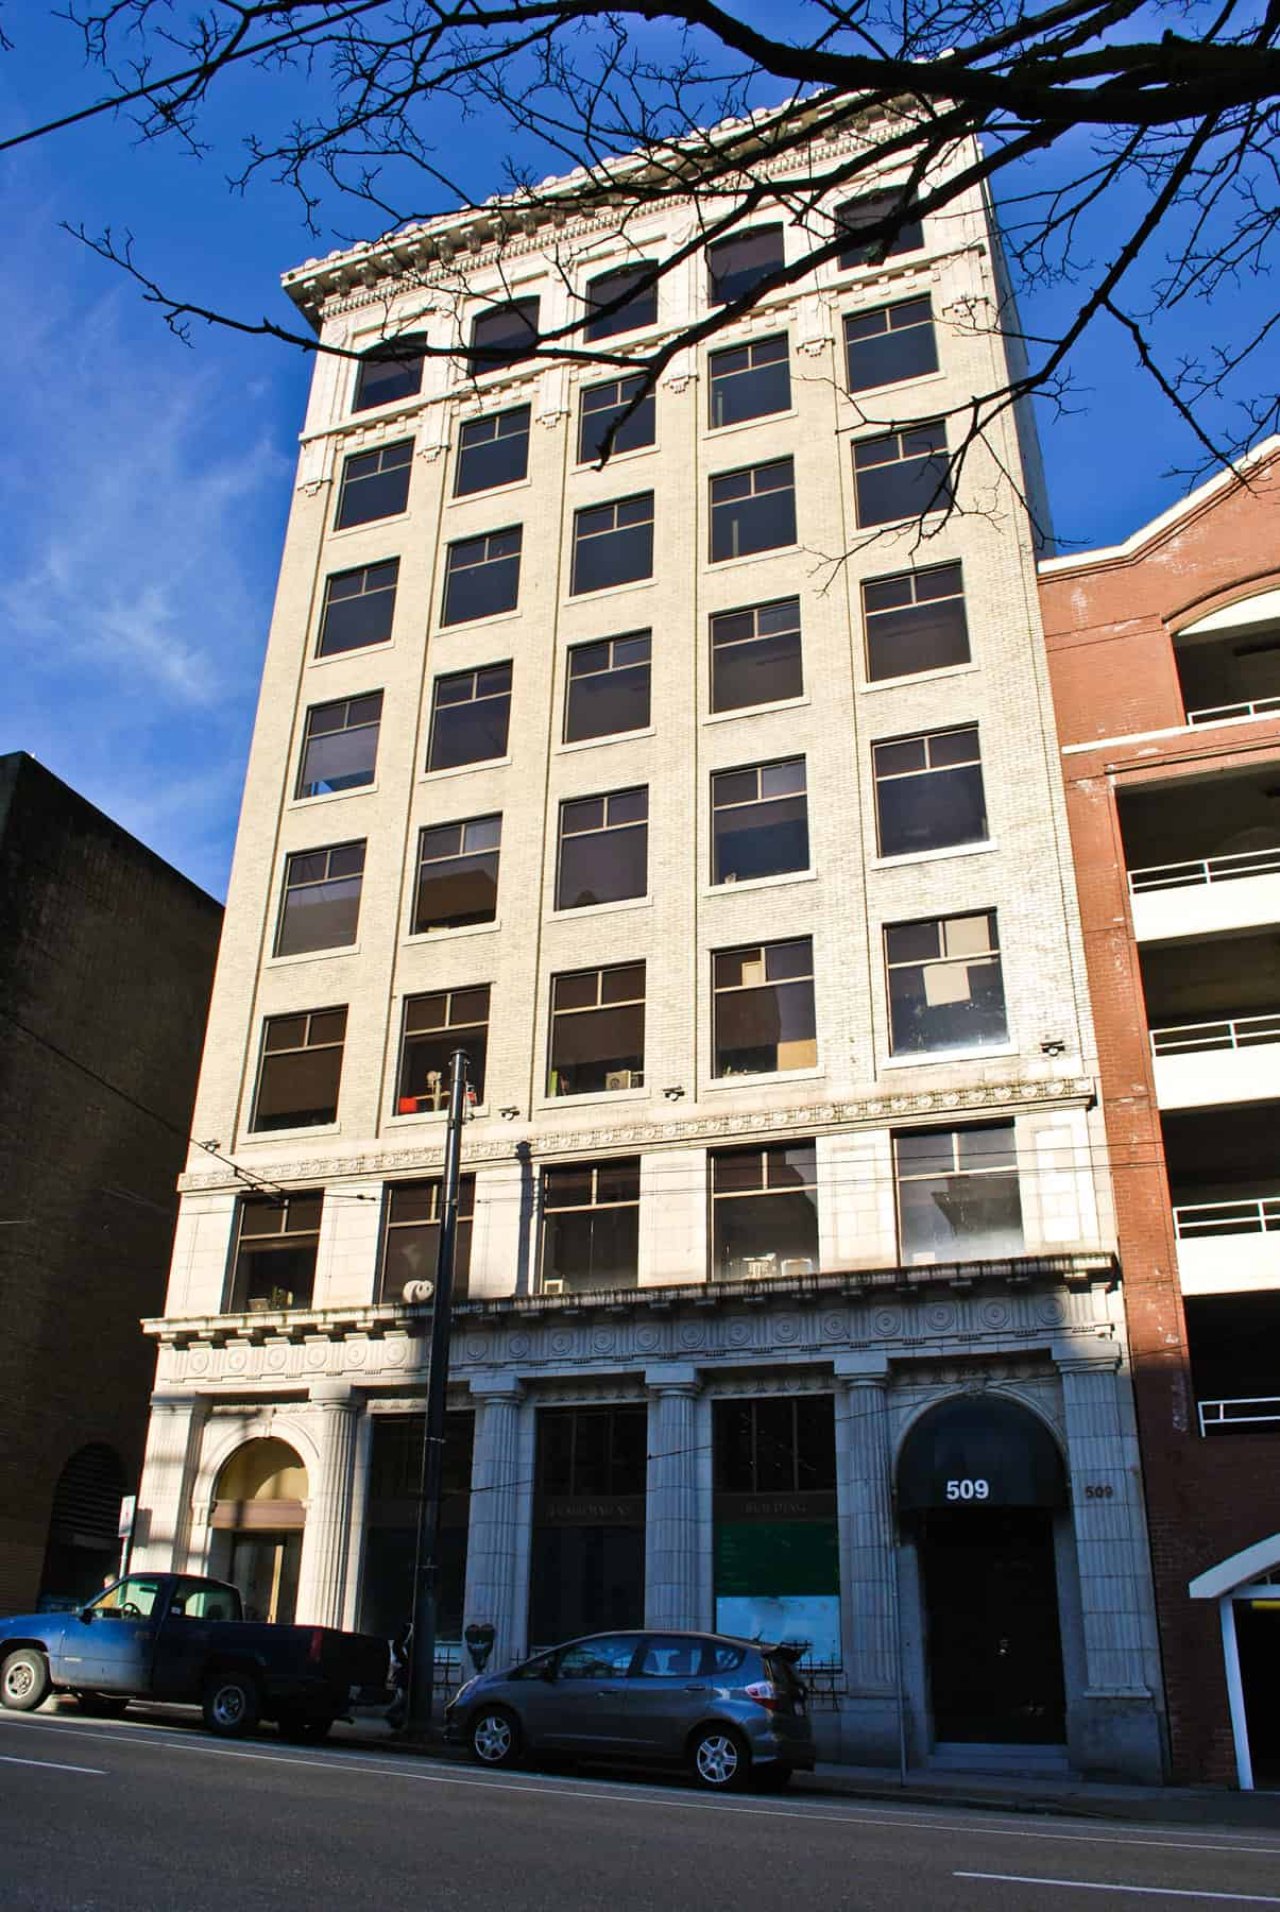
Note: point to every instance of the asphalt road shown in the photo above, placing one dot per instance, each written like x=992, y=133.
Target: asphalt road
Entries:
x=149, y=1816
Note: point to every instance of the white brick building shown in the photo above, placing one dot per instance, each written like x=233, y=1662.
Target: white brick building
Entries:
x=790, y=1299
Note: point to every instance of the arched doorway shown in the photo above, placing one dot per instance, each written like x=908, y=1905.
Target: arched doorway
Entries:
x=83, y=1547
x=980, y=1480
x=259, y=1511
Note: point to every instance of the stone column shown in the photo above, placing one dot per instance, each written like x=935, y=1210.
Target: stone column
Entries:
x=322, y=1576
x=162, y=1527
x=867, y=1557
x=672, y=1538
x=492, y=1594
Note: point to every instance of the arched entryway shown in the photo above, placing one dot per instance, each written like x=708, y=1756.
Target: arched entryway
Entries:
x=83, y=1548
x=259, y=1512
x=980, y=1480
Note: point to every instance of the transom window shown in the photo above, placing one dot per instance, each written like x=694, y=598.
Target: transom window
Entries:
x=320, y=905
x=868, y=210
x=893, y=342
x=375, y=484
x=411, y=1236
x=358, y=608
x=946, y=989
x=434, y=1026
x=929, y=793
x=600, y=405
x=613, y=543
x=604, y=849
x=632, y=292
x=958, y=1193
x=277, y=1238
x=340, y=745
x=590, y=1226
x=764, y=1009
x=482, y=576
x=300, y=1070
x=902, y=474
x=755, y=655
x=457, y=874
x=504, y=335
x=759, y=821
x=492, y=451
x=748, y=381
x=915, y=622
x=607, y=689
x=764, y=1211
x=389, y=371
x=470, y=715
x=774, y=1445
x=597, y=1030
x=737, y=265
x=753, y=510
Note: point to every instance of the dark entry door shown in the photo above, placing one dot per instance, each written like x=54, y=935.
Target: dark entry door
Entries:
x=994, y=1645
x=1258, y=1640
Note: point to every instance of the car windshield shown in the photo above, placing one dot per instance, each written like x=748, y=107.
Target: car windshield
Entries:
x=129, y=1599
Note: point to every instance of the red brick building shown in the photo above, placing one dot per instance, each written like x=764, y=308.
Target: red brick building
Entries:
x=1165, y=660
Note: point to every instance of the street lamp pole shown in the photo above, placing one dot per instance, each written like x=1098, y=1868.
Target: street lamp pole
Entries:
x=427, y=1568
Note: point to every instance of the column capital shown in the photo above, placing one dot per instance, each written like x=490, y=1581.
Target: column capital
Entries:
x=862, y=1367
x=331, y=1393
x=496, y=1386
x=1086, y=1357
x=673, y=1377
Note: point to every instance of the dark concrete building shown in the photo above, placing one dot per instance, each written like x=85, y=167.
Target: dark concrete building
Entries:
x=106, y=959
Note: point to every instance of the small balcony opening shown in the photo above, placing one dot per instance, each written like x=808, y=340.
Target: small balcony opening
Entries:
x=1229, y=662
x=1201, y=830
x=1215, y=993
x=1234, y=1342
x=1224, y=1169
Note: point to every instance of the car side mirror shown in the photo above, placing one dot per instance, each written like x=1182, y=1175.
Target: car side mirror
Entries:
x=548, y=1673
x=85, y=1614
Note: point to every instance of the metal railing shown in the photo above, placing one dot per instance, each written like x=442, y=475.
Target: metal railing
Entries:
x=1230, y=1032
x=1210, y=869
x=1259, y=1411
x=1258, y=1215
x=1222, y=713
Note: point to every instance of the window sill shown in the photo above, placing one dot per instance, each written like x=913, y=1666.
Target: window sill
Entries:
x=919, y=677
x=332, y=796
x=382, y=645
x=369, y=524
x=715, y=433
x=604, y=591
x=610, y=737
x=465, y=769
x=937, y=1058
x=311, y=956
x=590, y=1098
x=310, y=1132
x=433, y=1115
x=909, y=857
x=777, y=881
x=588, y=467
x=754, y=557
x=780, y=1076
x=485, y=623
x=601, y=909
x=488, y=491
x=454, y=930
x=756, y=710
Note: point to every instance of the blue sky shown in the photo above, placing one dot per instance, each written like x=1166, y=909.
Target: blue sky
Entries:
x=144, y=485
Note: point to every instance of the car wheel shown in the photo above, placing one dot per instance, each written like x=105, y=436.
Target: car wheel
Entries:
x=718, y=1759
x=232, y=1704
x=494, y=1737
x=307, y=1729
x=24, y=1680
x=101, y=1706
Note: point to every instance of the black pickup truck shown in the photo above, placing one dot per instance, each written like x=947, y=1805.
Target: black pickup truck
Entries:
x=175, y=1637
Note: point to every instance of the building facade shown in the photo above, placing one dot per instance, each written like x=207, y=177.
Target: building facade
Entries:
x=1164, y=657
x=106, y=960
x=716, y=814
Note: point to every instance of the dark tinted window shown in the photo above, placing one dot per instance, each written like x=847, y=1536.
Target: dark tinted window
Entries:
x=958, y=1193
x=604, y=849
x=635, y=302
x=755, y=655
x=504, y=335
x=275, y=1262
x=764, y=1012
x=946, y=987
x=457, y=874
x=748, y=381
x=915, y=622
x=753, y=510
x=434, y=1026
x=358, y=608
x=340, y=745
x=764, y=1211
x=320, y=906
x=601, y=405
x=856, y=215
x=775, y=1446
x=482, y=576
x=670, y=1657
x=736, y=266
x=590, y=1240
x=469, y=719
x=300, y=1070
x=411, y=1236
x=375, y=484
x=759, y=821
x=902, y=474
x=929, y=792
x=608, y=687
x=613, y=544
x=597, y=1030
x=492, y=451
x=891, y=343
x=392, y=370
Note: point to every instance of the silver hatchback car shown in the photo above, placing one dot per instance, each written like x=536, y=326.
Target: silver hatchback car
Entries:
x=724, y=1708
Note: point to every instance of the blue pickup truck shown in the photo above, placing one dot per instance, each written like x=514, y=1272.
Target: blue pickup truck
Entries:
x=176, y=1637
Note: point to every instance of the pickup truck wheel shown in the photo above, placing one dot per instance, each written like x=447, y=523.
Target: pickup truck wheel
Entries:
x=24, y=1680
x=494, y=1737
x=102, y=1705
x=308, y=1729
x=232, y=1704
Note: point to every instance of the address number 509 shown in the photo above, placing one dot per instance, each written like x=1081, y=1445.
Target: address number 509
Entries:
x=968, y=1490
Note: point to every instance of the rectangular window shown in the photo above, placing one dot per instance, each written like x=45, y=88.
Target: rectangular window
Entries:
x=492, y=451
x=867, y=210
x=504, y=335
x=277, y=1237
x=607, y=689
x=587, y=1567
x=434, y=1026
x=358, y=608
x=755, y=655
x=759, y=821
x=390, y=371
x=749, y=381
x=340, y=745
x=375, y=484
x=600, y=405
x=957, y=1193
x=612, y=544
x=469, y=718
x=915, y=622
x=457, y=874
x=902, y=474
x=411, y=1236
x=604, y=849
x=300, y=1070
x=632, y=292
x=929, y=792
x=482, y=576
x=590, y=1226
x=946, y=989
x=764, y=1013
x=764, y=1211
x=736, y=265
x=892, y=343
x=597, y=1030
x=390, y=1523
x=753, y=510
x=320, y=906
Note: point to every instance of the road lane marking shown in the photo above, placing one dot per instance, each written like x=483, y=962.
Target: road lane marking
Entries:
x=1110, y=1885
x=55, y=1765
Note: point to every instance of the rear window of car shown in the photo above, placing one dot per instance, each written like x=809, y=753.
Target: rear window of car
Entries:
x=724, y=1659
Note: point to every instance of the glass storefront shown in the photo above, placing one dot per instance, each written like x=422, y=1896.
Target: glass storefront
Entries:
x=391, y=1523
x=587, y=1568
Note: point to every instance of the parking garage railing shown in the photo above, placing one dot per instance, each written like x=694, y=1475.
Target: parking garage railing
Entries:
x=1258, y=1215
x=1256, y=1411
x=1228, y=1032
x=1210, y=869
x=1223, y=713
